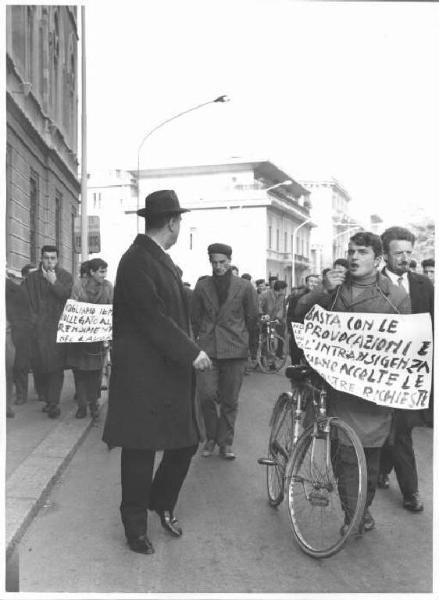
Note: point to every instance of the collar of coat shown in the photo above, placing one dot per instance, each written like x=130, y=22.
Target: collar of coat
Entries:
x=208, y=286
x=382, y=287
x=154, y=249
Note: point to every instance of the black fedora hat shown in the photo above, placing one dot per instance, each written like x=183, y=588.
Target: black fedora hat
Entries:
x=162, y=202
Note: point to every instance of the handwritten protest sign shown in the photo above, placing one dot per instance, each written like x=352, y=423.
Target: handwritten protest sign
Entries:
x=386, y=359
x=84, y=322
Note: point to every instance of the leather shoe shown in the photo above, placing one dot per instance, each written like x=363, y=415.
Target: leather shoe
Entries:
x=81, y=413
x=413, y=503
x=53, y=412
x=170, y=523
x=226, y=452
x=208, y=449
x=383, y=481
x=367, y=523
x=142, y=545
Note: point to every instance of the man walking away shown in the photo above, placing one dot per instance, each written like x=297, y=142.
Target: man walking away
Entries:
x=48, y=289
x=398, y=245
x=152, y=395
x=224, y=312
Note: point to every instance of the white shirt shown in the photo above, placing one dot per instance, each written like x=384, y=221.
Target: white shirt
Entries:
x=394, y=278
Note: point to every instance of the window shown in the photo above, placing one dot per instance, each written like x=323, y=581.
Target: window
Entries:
x=277, y=240
x=191, y=239
x=269, y=237
x=58, y=219
x=285, y=242
x=291, y=244
x=33, y=216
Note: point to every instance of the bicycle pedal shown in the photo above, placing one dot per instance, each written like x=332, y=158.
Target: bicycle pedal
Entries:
x=268, y=462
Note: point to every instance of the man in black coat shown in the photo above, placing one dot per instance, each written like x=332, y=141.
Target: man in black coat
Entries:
x=48, y=289
x=398, y=245
x=152, y=396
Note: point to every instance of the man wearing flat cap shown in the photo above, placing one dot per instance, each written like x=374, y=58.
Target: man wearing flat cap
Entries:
x=224, y=311
x=151, y=401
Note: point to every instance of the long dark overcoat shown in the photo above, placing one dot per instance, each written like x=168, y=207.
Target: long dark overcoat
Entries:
x=422, y=301
x=47, y=302
x=151, y=398
x=371, y=421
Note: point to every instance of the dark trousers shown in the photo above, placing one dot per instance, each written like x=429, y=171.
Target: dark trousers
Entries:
x=49, y=386
x=400, y=454
x=87, y=385
x=140, y=491
x=21, y=378
x=218, y=391
x=347, y=473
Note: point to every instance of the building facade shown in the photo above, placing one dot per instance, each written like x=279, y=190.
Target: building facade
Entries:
x=334, y=225
x=42, y=187
x=254, y=206
x=239, y=203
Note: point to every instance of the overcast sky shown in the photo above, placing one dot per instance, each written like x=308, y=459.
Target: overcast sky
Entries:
x=349, y=90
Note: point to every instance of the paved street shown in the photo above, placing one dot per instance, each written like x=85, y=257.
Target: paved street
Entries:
x=233, y=541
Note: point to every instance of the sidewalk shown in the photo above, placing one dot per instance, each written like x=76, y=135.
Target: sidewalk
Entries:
x=37, y=450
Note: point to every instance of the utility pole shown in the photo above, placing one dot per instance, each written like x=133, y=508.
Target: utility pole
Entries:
x=84, y=216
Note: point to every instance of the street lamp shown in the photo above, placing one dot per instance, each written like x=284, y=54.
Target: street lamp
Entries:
x=219, y=99
x=293, y=244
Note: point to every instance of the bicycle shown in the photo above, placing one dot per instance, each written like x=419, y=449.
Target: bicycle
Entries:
x=271, y=354
x=307, y=455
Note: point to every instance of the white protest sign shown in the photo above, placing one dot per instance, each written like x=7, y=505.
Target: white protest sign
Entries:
x=386, y=359
x=85, y=322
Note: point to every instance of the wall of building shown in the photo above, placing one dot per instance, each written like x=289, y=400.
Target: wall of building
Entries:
x=42, y=188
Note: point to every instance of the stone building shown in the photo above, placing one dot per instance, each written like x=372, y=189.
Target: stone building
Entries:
x=42, y=187
x=334, y=224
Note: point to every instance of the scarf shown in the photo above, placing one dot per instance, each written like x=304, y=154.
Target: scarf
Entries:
x=222, y=285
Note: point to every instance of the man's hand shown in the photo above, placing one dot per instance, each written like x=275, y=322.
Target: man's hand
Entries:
x=332, y=279
x=202, y=362
x=50, y=276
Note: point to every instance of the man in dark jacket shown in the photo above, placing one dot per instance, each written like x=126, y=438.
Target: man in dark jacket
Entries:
x=398, y=245
x=23, y=345
x=152, y=397
x=224, y=312
x=362, y=290
x=48, y=289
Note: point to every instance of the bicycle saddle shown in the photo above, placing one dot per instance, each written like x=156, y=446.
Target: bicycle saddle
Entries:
x=298, y=372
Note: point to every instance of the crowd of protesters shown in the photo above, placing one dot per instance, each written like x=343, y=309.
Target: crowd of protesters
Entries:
x=167, y=336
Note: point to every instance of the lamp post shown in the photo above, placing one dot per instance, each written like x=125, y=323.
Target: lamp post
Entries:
x=293, y=243
x=221, y=99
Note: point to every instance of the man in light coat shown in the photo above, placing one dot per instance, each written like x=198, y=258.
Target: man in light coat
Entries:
x=152, y=394
x=224, y=313
x=362, y=289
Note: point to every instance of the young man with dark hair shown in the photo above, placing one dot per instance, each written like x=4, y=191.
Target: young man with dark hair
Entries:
x=362, y=289
x=398, y=245
x=224, y=314
x=48, y=289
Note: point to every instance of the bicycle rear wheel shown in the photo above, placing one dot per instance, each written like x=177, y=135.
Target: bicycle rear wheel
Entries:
x=279, y=447
x=326, y=481
x=268, y=359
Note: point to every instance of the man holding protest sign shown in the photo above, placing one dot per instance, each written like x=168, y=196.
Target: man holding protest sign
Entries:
x=152, y=396
x=398, y=244
x=87, y=358
x=364, y=290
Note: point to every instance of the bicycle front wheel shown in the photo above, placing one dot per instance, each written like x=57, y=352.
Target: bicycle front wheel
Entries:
x=272, y=353
x=326, y=480
x=279, y=447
